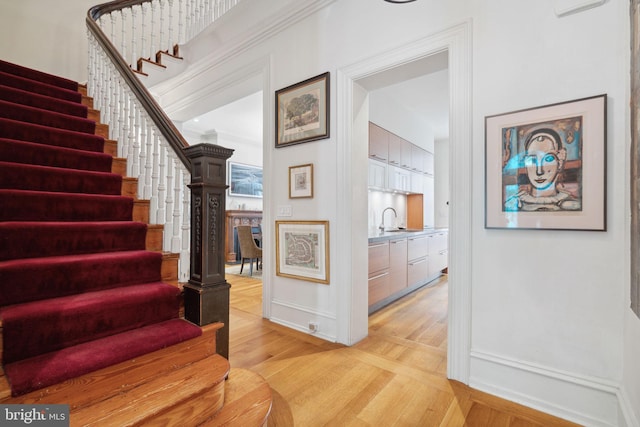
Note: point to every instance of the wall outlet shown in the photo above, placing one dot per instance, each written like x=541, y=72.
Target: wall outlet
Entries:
x=313, y=327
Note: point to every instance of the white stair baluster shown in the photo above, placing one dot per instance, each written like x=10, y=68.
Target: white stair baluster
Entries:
x=176, y=225
x=185, y=259
x=181, y=35
x=146, y=193
x=168, y=201
x=162, y=185
x=153, y=51
x=143, y=23
x=162, y=28
x=155, y=180
x=171, y=42
x=134, y=52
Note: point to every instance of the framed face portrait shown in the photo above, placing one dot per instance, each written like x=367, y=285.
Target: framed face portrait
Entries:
x=545, y=167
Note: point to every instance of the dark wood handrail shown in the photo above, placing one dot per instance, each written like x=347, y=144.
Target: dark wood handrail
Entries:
x=156, y=114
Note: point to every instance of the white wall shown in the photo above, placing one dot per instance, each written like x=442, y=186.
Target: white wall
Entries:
x=441, y=183
x=46, y=36
x=550, y=321
x=547, y=306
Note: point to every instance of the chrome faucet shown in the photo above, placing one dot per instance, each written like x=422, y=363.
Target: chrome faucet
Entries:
x=386, y=209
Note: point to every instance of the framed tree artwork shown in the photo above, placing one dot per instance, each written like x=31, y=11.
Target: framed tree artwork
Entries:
x=302, y=111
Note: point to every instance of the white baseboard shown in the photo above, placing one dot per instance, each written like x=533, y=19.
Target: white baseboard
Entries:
x=628, y=414
x=588, y=401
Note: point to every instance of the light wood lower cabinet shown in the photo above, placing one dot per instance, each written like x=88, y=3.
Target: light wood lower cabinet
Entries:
x=438, y=252
x=397, y=265
x=378, y=271
x=400, y=265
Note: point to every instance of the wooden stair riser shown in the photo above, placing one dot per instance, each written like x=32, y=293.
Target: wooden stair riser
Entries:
x=141, y=211
x=111, y=147
x=129, y=187
x=169, y=268
x=154, y=237
x=119, y=166
x=102, y=130
x=195, y=391
x=93, y=115
x=247, y=401
x=87, y=101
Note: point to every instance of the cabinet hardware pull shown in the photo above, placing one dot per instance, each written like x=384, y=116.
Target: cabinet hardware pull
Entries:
x=379, y=276
x=420, y=261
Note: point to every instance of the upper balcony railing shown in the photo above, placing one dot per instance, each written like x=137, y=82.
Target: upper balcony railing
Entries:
x=121, y=33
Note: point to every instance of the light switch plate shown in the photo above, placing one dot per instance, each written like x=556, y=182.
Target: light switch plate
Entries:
x=284, y=210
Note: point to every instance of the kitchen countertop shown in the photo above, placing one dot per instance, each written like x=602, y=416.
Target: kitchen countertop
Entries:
x=377, y=236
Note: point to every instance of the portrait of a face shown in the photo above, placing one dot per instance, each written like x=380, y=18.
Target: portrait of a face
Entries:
x=542, y=166
x=541, y=161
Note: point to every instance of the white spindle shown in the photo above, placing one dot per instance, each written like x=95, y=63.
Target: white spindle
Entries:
x=153, y=31
x=185, y=260
x=162, y=27
x=168, y=201
x=135, y=158
x=146, y=192
x=155, y=180
x=134, y=51
x=123, y=21
x=170, y=37
x=177, y=211
x=130, y=136
x=142, y=157
x=181, y=35
x=162, y=186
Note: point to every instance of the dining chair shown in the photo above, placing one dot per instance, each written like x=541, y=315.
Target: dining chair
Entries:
x=248, y=248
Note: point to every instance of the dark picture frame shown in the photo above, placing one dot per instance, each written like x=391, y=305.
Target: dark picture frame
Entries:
x=302, y=111
x=545, y=167
x=244, y=180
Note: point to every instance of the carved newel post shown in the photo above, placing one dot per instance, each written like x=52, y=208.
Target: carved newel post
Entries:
x=206, y=296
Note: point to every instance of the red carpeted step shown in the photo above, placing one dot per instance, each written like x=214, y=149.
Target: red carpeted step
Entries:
x=40, y=88
x=15, y=151
x=27, y=205
x=25, y=113
x=39, y=327
x=14, y=129
x=42, y=239
x=24, y=97
x=20, y=176
x=25, y=280
x=30, y=73
x=55, y=367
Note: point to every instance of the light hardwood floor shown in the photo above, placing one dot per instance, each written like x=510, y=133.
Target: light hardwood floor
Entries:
x=394, y=377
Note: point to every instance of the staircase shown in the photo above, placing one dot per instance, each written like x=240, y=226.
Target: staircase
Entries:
x=89, y=305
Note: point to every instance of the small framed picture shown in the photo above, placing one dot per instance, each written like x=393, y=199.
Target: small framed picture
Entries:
x=545, y=167
x=302, y=111
x=302, y=250
x=301, y=181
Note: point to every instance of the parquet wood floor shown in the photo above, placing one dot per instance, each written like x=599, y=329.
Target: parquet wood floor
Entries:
x=394, y=377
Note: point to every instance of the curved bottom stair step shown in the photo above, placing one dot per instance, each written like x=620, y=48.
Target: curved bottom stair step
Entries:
x=247, y=401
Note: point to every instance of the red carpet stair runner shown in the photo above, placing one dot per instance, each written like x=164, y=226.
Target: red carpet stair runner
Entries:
x=79, y=291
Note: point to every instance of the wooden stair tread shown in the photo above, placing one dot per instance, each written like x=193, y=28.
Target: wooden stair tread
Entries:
x=247, y=401
x=122, y=377
x=162, y=394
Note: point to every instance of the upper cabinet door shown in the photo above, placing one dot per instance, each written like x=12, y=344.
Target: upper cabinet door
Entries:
x=428, y=163
x=378, y=143
x=417, y=159
x=395, y=150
